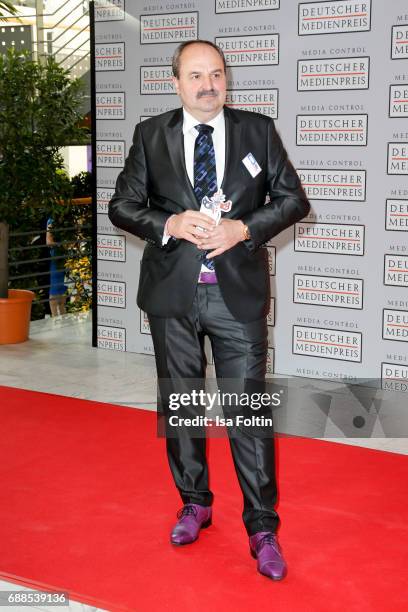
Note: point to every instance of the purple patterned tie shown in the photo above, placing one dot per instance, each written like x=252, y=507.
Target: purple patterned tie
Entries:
x=205, y=171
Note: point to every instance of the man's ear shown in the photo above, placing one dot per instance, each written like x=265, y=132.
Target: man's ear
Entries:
x=175, y=83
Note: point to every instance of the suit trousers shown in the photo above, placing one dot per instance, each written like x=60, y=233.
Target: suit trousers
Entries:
x=239, y=351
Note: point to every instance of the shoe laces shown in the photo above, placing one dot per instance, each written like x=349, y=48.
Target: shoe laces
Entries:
x=187, y=510
x=268, y=539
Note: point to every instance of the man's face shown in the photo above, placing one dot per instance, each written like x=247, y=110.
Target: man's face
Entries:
x=202, y=82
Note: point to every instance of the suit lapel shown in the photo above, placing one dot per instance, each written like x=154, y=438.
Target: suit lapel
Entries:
x=175, y=145
x=232, y=150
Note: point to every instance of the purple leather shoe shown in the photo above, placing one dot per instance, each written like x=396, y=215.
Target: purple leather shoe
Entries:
x=192, y=518
x=264, y=546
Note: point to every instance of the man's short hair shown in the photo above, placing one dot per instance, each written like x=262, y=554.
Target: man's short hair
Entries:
x=177, y=54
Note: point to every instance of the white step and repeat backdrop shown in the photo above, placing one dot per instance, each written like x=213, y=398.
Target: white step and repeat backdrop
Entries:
x=334, y=76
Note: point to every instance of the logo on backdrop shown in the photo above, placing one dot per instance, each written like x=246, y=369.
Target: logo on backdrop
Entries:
x=337, y=238
x=270, y=360
x=243, y=6
x=270, y=320
x=112, y=10
x=168, y=28
x=331, y=130
x=264, y=101
x=396, y=270
x=113, y=338
x=111, y=247
x=395, y=325
x=334, y=17
x=271, y=260
x=328, y=291
x=144, y=323
x=394, y=377
x=399, y=42
x=396, y=215
x=333, y=74
x=398, y=101
x=397, y=158
x=110, y=105
x=110, y=153
x=327, y=343
x=343, y=185
x=156, y=80
x=109, y=57
x=103, y=197
x=256, y=50
x=111, y=293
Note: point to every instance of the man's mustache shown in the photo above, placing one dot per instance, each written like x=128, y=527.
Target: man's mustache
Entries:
x=207, y=92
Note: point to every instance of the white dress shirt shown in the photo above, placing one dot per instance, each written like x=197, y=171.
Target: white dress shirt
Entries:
x=190, y=134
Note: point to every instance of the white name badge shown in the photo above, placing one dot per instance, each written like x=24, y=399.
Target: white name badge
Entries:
x=251, y=165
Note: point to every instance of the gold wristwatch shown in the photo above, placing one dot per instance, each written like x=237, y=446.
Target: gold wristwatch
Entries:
x=247, y=234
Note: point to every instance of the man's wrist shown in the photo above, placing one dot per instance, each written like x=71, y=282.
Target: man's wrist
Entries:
x=166, y=234
x=167, y=231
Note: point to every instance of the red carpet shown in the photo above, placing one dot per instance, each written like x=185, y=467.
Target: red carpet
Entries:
x=87, y=502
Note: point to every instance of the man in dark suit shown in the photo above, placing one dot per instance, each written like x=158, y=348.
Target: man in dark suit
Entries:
x=207, y=274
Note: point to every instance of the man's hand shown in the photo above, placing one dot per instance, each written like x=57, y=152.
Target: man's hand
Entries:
x=223, y=237
x=190, y=225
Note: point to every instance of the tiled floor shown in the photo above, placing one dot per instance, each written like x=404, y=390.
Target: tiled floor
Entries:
x=58, y=358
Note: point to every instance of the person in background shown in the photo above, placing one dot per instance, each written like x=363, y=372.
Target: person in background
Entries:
x=58, y=289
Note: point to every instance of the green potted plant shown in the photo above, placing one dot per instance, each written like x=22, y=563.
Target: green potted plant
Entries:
x=39, y=113
x=76, y=247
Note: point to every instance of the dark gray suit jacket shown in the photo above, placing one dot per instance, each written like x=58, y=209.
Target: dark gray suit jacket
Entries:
x=154, y=184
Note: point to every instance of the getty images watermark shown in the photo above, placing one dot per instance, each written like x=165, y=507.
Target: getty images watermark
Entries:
x=311, y=408
x=234, y=406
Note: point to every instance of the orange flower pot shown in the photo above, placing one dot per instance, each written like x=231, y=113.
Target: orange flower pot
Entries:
x=15, y=314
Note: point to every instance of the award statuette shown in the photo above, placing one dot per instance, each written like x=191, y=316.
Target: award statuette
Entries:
x=214, y=206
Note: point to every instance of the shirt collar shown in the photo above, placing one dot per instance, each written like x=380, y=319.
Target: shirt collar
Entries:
x=189, y=122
